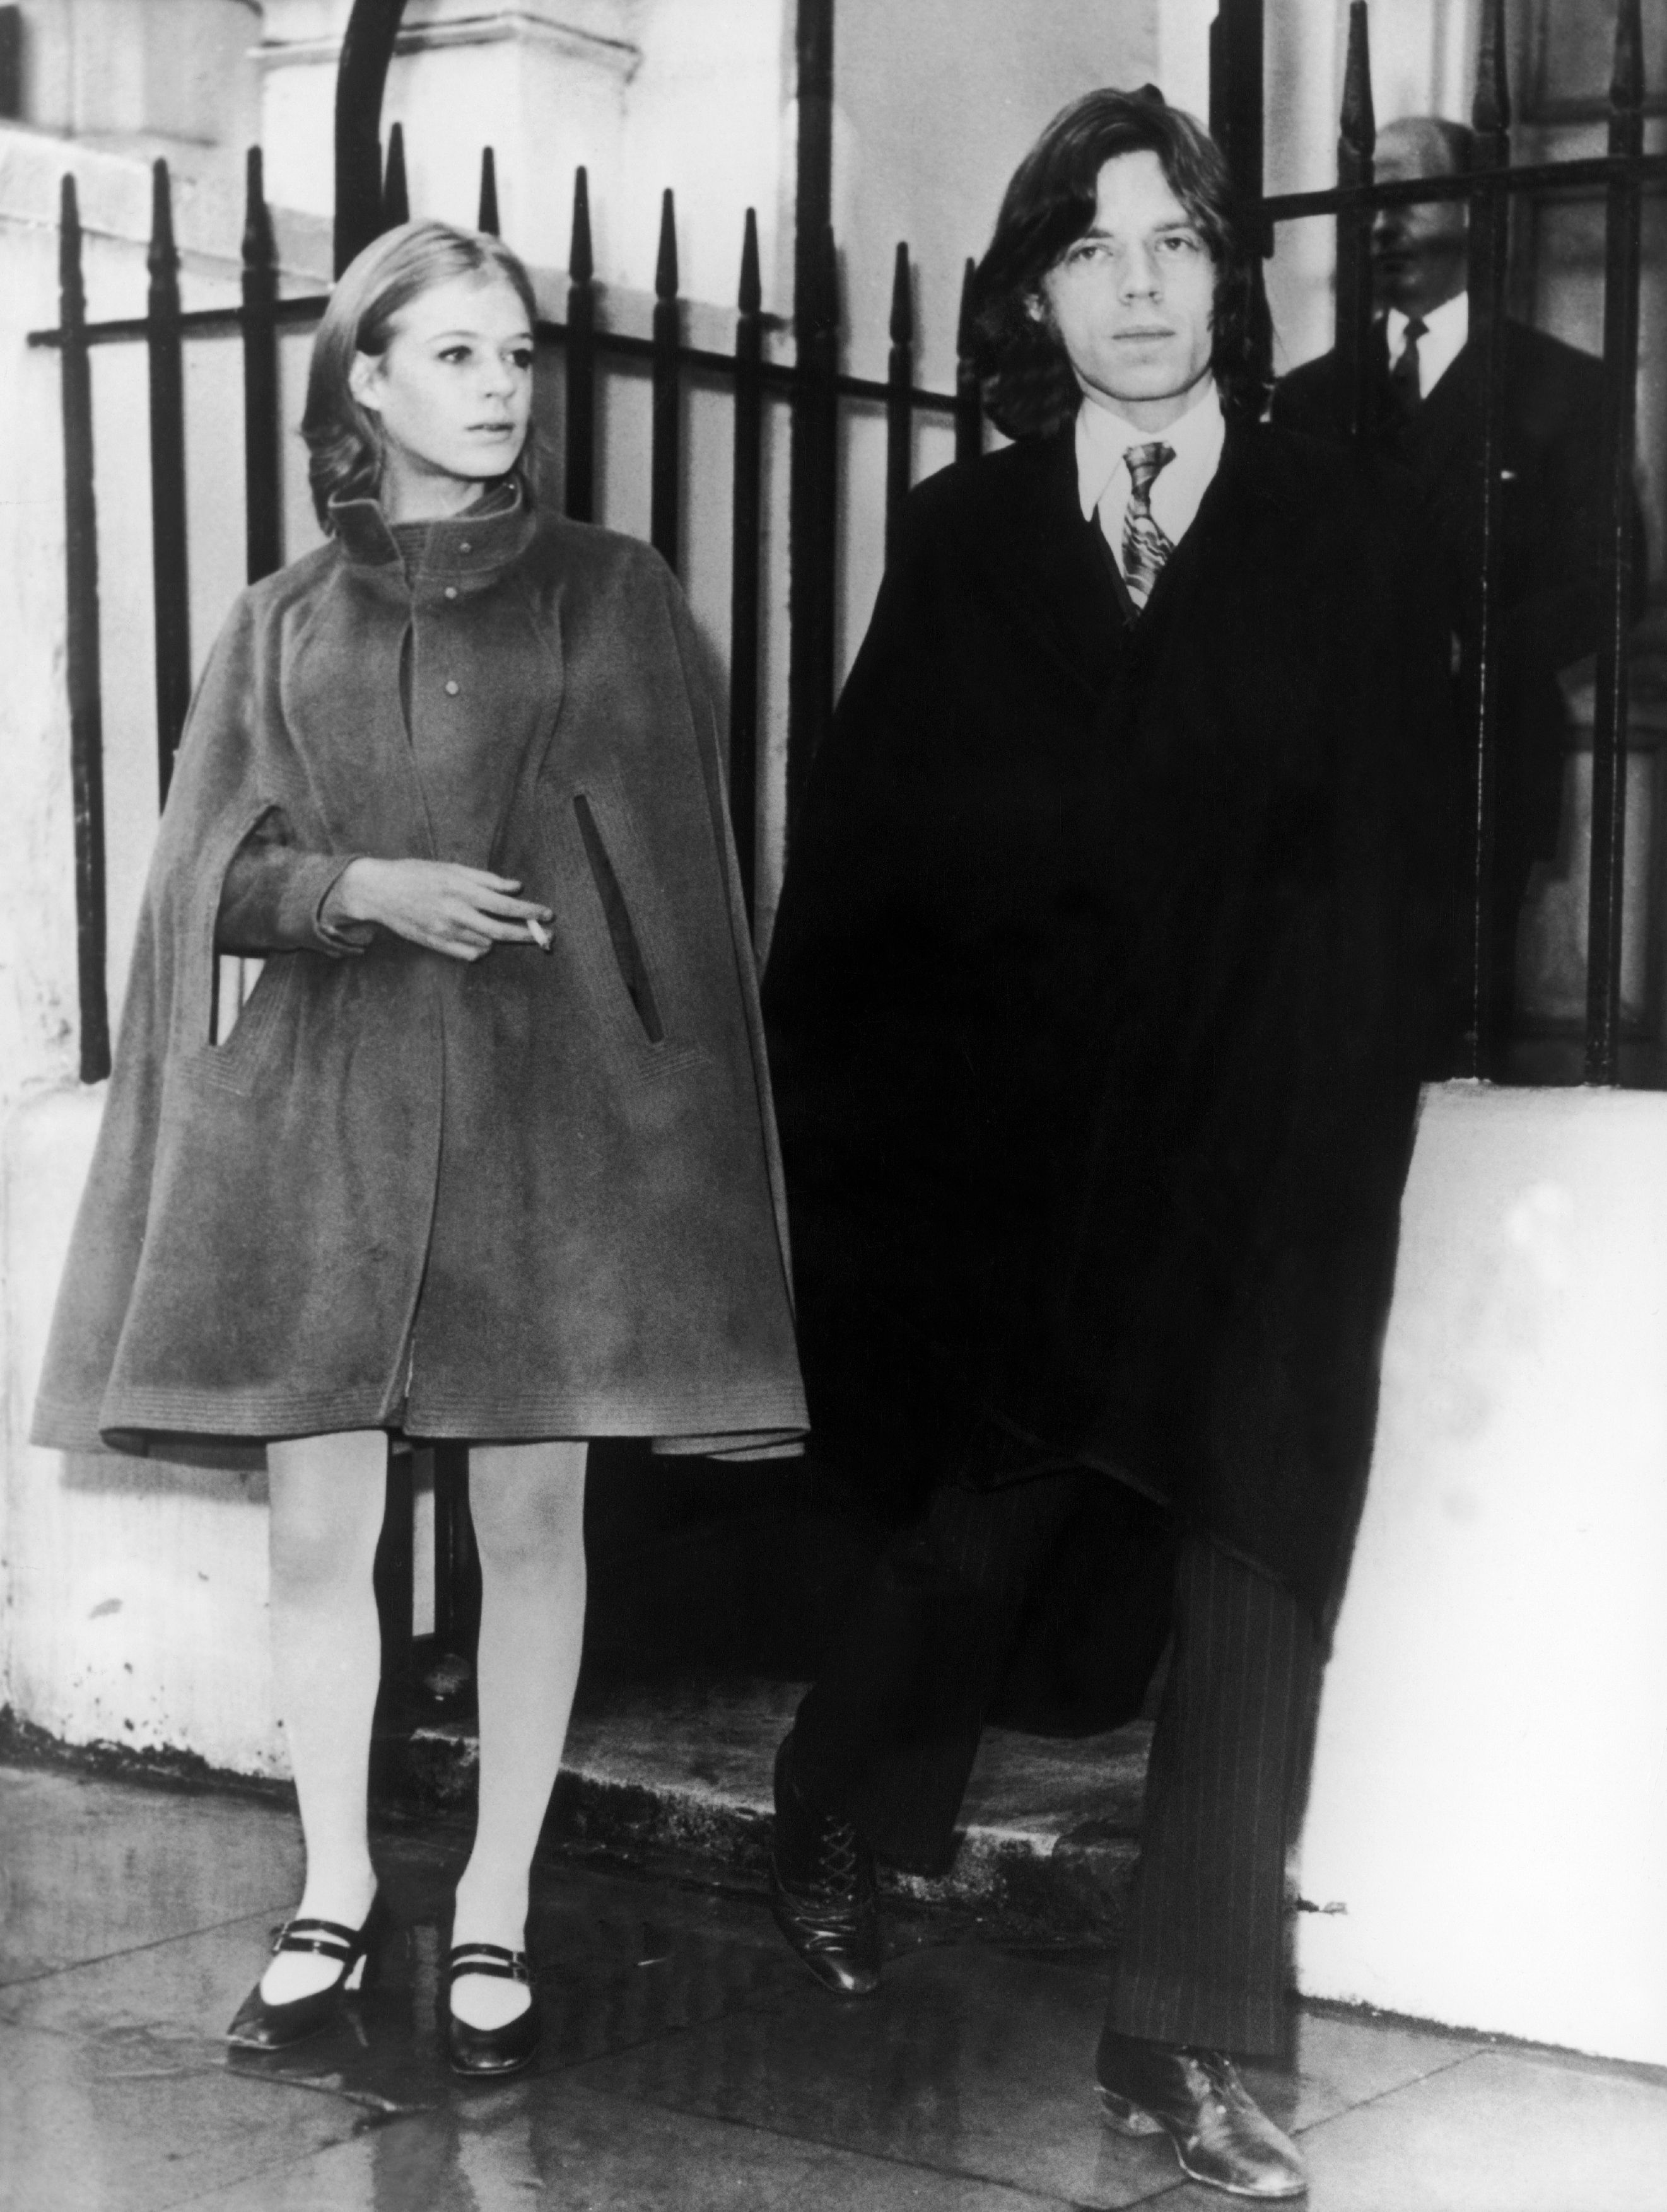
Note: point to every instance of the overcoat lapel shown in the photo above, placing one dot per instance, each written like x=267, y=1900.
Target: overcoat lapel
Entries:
x=1045, y=563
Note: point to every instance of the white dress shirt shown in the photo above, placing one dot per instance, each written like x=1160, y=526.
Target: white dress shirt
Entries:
x=1445, y=330
x=1103, y=479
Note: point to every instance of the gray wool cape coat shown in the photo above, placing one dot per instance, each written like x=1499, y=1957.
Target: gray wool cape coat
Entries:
x=536, y=1196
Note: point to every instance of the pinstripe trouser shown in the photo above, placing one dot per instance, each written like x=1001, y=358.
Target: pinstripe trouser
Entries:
x=887, y=1735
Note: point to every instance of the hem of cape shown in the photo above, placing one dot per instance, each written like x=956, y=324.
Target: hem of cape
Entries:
x=766, y=1421
x=767, y=1411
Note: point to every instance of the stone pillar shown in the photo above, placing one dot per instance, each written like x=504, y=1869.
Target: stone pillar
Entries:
x=646, y=94
x=133, y=75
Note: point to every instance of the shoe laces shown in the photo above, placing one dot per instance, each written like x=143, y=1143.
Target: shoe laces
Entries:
x=1222, y=2075
x=837, y=1872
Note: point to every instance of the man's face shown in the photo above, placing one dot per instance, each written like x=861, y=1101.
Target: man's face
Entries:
x=1132, y=301
x=1417, y=253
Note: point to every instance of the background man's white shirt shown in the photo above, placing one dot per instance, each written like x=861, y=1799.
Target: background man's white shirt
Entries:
x=1445, y=330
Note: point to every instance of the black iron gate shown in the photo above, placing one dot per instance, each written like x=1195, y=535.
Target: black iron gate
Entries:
x=1490, y=187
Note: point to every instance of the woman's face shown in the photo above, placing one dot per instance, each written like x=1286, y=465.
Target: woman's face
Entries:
x=455, y=393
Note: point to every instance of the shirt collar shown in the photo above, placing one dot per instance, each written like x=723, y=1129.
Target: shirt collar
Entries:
x=1103, y=439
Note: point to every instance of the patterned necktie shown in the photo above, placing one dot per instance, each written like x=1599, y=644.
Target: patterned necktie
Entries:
x=1404, y=388
x=1145, y=548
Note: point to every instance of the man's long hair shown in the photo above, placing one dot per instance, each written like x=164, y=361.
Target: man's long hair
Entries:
x=1029, y=388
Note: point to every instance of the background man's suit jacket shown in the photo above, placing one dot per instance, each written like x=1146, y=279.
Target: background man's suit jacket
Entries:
x=1551, y=520
x=1101, y=989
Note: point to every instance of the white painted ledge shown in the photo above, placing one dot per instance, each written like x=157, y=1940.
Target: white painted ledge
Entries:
x=135, y=1591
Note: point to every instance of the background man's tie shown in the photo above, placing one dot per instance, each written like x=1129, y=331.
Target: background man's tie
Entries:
x=1404, y=389
x=1145, y=548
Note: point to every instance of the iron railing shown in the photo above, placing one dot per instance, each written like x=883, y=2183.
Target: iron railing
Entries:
x=1620, y=175
x=814, y=384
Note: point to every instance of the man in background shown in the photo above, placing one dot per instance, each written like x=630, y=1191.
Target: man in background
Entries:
x=1423, y=402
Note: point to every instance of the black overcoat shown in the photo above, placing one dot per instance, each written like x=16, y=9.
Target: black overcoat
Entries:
x=1101, y=988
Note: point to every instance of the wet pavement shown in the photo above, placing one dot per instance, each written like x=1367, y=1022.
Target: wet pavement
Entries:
x=688, y=2061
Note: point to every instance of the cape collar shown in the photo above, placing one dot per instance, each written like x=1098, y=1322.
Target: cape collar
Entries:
x=479, y=542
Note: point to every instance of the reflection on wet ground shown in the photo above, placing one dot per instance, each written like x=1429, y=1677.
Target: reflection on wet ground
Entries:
x=687, y=2062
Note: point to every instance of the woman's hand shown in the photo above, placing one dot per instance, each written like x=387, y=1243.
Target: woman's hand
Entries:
x=461, y=912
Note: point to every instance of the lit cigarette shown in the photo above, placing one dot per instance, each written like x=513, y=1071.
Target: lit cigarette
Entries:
x=540, y=936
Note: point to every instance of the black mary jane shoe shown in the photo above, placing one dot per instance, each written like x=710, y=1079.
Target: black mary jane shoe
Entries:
x=489, y=2053
x=263, y=2027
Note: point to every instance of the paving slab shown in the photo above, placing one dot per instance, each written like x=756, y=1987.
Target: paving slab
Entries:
x=689, y=2060
x=91, y=1867
x=569, y=2146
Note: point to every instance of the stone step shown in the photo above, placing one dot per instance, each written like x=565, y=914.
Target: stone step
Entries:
x=660, y=1773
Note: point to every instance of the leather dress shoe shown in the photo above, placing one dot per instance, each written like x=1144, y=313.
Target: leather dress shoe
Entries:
x=259, y=2025
x=1222, y=2136
x=821, y=1889
x=491, y=2052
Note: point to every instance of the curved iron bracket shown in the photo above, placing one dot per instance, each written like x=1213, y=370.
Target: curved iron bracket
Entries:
x=361, y=75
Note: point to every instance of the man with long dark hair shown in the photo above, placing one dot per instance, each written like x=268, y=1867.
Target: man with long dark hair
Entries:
x=1099, y=1001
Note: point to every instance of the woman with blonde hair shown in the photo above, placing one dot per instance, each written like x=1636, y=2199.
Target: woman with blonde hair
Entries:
x=488, y=1155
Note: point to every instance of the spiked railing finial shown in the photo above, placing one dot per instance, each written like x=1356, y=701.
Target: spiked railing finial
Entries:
x=581, y=264
x=666, y=264
x=751, y=299
x=902, y=330
x=396, y=199
x=1357, y=123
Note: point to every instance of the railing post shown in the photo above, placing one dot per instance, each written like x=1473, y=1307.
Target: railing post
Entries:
x=1490, y=212
x=969, y=400
x=813, y=496
x=813, y=173
x=1236, y=93
x=81, y=580
x=487, y=219
x=361, y=75
x=746, y=520
x=167, y=482
x=396, y=196
x=1357, y=137
x=263, y=496
x=579, y=475
x=392, y=1577
x=899, y=396
x=814, y=464
x=1609, y=744
x=456, y=1574
x=665, y=441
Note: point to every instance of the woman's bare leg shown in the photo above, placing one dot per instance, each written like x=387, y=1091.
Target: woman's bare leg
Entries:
x=528, y=1504
x=327, y=1495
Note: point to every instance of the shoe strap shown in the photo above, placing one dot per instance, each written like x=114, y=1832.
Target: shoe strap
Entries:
x=492, y=1959
x=327, y=1938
